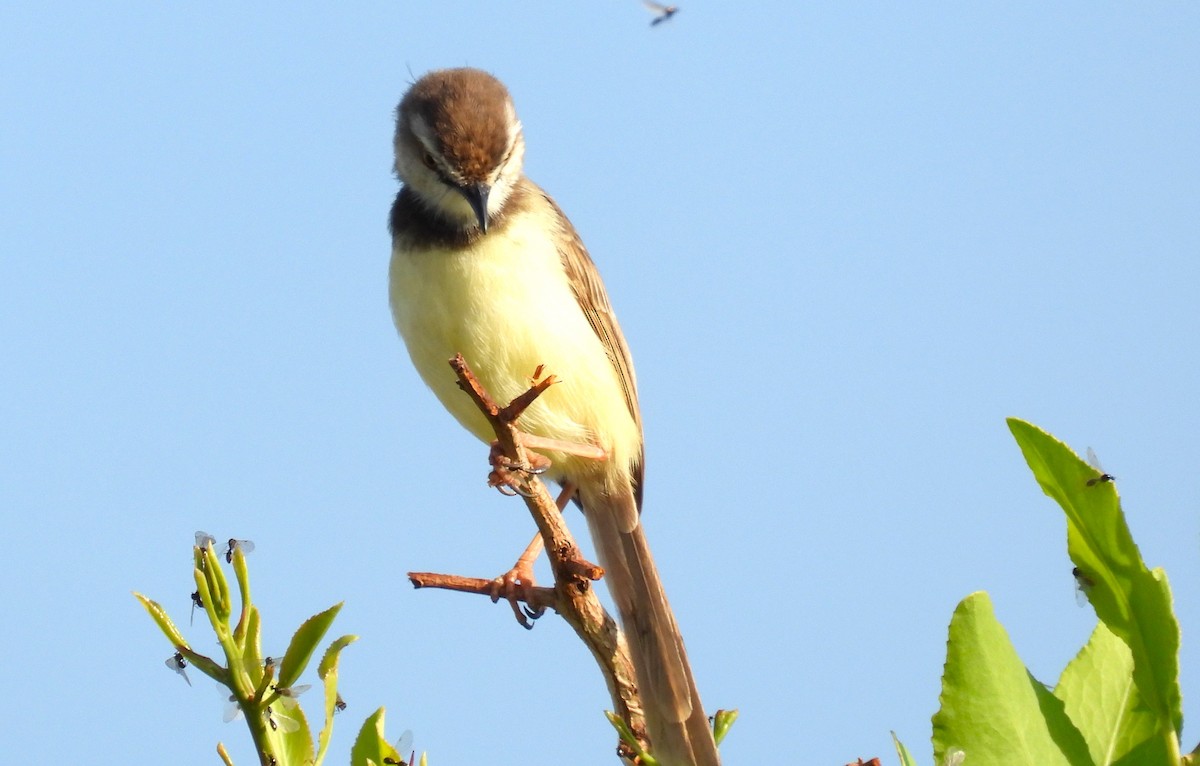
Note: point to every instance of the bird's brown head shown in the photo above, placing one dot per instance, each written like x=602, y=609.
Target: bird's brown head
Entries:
x=458, y=145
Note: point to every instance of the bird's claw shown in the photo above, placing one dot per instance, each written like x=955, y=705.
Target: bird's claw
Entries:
x=503, y=468
x=516, y=587
x=506, y=485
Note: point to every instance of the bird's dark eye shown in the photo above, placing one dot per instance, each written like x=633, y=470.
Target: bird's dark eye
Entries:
x=429, y=161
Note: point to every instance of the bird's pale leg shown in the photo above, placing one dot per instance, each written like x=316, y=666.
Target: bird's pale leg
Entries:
x=543, y=444
x=516, y=585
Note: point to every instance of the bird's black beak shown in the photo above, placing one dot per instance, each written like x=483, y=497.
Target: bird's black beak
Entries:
x=477, y=196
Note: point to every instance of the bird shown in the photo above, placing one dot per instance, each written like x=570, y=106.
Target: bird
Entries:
x=663, y=12
x=485, y=264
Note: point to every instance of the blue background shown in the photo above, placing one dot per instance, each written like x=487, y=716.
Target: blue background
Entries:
x=844, y=240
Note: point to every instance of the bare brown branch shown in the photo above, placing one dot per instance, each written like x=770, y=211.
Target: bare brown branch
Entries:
x=536, y=599
x=572, y=596
x=542, y=596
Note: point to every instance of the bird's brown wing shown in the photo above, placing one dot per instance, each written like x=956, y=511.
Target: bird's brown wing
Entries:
x=593, y=301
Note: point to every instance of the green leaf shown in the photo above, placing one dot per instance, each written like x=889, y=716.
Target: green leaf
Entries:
x=304, y=643
x=371, y=747
x=252, y=640
x=206, y=598
x=163, y=620
x=991, y=707
x=327, y=671
x=627, y=736
x=1100, y=697
x=330, y=661
x=243, y=579
x=906, y=758
x=205, y=665
x=295, y=746
x=1134, y=603
x=214, y=588
x=723, y=721
x=246, y=663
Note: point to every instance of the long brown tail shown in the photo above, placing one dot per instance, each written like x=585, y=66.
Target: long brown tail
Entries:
x=679, y=731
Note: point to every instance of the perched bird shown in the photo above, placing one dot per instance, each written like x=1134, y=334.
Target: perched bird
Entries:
x=484, y=263
x=662, y=12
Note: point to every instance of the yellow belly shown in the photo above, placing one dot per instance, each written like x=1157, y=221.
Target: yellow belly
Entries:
x=505, y=304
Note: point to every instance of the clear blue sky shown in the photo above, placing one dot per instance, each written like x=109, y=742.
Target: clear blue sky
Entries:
x=844, y=240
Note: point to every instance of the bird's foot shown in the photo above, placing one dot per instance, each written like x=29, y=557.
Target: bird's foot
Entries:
x=516, y=586
x=506, y=474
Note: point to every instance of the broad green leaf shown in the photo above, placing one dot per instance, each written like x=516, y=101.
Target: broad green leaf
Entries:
x=304, y=643
x=991, y=707
x=906, y=758
x=296, y=746
x=370, y=747
x=1133, y=602
x=1100, y=697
